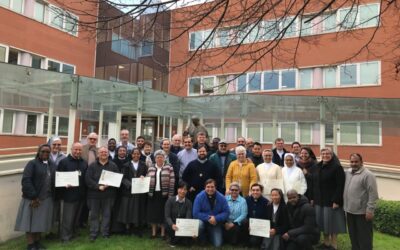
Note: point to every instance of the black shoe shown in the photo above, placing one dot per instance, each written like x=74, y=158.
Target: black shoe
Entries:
x=39, y=246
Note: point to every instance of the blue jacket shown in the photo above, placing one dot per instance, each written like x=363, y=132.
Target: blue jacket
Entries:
x=202, y=209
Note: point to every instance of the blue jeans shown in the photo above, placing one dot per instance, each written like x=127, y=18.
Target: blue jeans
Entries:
x=214, y=233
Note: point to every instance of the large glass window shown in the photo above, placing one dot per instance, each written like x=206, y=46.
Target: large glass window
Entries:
x=306, y=26
x=348, y=75
x=288, y=79
x=255, y=34
x=71, y=24
x=208, y=85
x=329, y=22
x=241, y=80
x=3, y=51
x=63, y=126
x=289, y=26
x=253, y=131
x=330, y=77
x=369, y=73
x=56, y=17
x=17, y=5
x=288, y=132
x=271, y=80
x=209, y=39
x=46, y=122
x=69, y=69
x=329, y=132
x=53, y=66
x=38, y=13
x=369, y=15
x=348, y=17
x=306, y=78
x=370, y=132
x=5, y=3
x=8, y=119
x=36, y=62
x=194, y=86
x=31, y=123
x=348, y=133
x=305, y=133
x=223, y=37
x=271, y=29
x=268, y=132
x=254, y=81
x=196, y=39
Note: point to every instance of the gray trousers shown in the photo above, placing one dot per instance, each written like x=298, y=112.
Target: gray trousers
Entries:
x=100, y=208
x=69, y=219
x=360, y=231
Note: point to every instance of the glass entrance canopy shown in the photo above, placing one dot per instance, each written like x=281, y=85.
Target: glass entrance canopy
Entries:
x=348, y=122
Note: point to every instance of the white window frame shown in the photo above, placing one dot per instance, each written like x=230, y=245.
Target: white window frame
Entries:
x=379, y=14
x=188, y=89
x=379, y=74
x=49, y=13
x=46, y=62
x=248, y=81
x=358, y=143
x=311, y=133
x=37, y=123
x=298, y=78
x=260, y=125
x=7, y=52
x=2, y=121
x=262, y=132
x=11, y=4
x=296, y=136
x=281, y=79
x=202, y=85
x=337, y=80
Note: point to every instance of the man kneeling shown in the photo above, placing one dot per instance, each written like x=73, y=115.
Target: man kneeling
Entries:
x=303, y=232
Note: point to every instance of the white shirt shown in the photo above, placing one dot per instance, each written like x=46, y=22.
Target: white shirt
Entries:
x=135, y=165
x=158, y=179
x=275, y=206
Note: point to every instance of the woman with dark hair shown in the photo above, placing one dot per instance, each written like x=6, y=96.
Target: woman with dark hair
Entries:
x=307, y=162
x=121, y=157
x=327, y=196
x=278, y=215
x=162, y=184
x=132, y=210
x=36, y=208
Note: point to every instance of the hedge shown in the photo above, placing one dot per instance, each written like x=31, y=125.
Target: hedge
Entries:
x=387, y=217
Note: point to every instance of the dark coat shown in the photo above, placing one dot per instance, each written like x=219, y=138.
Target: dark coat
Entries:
x=302, y=218
x=257, y=208
x=257, y=160
x=276, y=159
x=282, y=223
x=120, y=162
x=175, y=150
x=129, y=173
x=327, y=183
x=92, y=178
x=33, y=178
x=70, y=164
x=174, y=210
x=216, y=159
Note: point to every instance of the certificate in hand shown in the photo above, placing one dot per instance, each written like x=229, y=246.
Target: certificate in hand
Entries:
x=110, y=178
x=259, y=227
x=187, y=227
x=70, y=178
x=140, y=186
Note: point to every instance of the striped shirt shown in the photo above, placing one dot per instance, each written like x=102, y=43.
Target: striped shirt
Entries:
x=237, y=209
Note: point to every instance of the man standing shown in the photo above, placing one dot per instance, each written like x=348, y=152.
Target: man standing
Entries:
x=296, y=148
x=201, y=141
x=89, y=151
x=241, y=141
x=359, y=197
x=186, y=155
x=124, y=137
x=140, y=142
x=222, y=158
x=279, y=152
x=176, y=144
x=112, y=144
x=73, y=197
x=198, y=171
x=212, y=209
x=256, y=154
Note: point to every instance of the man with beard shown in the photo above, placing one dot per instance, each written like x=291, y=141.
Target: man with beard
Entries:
x=198, y=171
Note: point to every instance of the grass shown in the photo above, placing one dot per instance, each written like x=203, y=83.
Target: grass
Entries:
x=381, y=242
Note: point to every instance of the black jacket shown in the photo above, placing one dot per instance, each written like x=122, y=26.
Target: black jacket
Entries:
x=257, y=209
x=257, y=160
x=327, y=183
x=175, y=150
x=92, y=178
x=127, y=171
x=120, y=162
x=277, y=159
x=33, y=178
x=302, y=218
x=73, y=194
x=281, y=224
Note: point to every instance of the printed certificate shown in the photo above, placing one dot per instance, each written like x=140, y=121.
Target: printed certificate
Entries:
x=259, y=227
x=110, y=178
x=140, y=186
x=70, y=178
x=187, y=227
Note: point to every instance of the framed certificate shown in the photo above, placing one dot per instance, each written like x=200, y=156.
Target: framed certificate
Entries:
x=187, y=227
x=259, y=227
x=140, y=186
x=70, y=178
x=110, y=178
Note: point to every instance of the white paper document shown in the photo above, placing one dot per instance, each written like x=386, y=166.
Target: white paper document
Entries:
x=70, y=178
x=140, y=186
x=110, y=178
x=259, y=227
x=187, y=227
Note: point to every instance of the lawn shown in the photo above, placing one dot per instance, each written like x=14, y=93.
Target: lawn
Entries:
x=381, y=242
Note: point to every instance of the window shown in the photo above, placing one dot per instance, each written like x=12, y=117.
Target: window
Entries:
x=329, y=133
x=8, y=121
x=31, y=124
x=348, y=75
x=271, y=29
x=289, y=27
x=56, y=17
x=38, y=13
x=369, y=15
x=208, y=85
x=306, y=78
x=268, y=132
x=69, y=69
x=5, y=3
x=71, y=23
x=254, y=81
x=230, y=132
x=241, y=82
x=222, y=83
x=305, y=133
x=288, y=132
x=13, y=57
x=46, y=122
x=253, y=131
x=271, y=80
x=329, y=22
x=330, y=77
x=63, y=20
x=53, y=66
x=348, y=18
x=306, y=26
x=370, y=132
x=3, y=51
x=196, y=39
x=224, y=37
x=209, y=39
x=288, y=79
x=16, y=5
x=62, y=126
x=36, y=62
x=348, y=133
x=147, y=48
x=255, y=34
x=194, y=86
x=369, y=73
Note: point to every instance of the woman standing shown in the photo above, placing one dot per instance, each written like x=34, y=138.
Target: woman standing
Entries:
x=307, y=162
x=162, y=183
x=293, y=177
x=327, y=196
x=269, y=174
x=36, y=208
x=132, y=210
x=241, y=171
x=278, y=215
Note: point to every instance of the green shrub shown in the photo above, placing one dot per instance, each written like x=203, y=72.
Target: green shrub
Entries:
x=387, y=217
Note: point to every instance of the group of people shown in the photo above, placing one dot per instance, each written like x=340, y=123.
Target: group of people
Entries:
x=189, y=178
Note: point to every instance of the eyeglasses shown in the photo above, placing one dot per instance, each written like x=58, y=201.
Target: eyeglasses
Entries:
x=45, y=151
x=222, y=145
x=93, y=139
x=234, y=190
x=54, y=144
